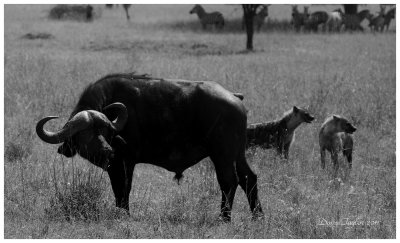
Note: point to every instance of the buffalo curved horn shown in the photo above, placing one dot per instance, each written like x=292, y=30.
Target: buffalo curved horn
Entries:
x=119, y=123
x=77, y=123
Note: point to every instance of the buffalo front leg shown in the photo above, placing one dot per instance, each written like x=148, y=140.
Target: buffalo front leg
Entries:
x=120, y=174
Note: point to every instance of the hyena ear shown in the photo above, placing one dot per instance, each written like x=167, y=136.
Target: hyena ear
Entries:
x=295, y=109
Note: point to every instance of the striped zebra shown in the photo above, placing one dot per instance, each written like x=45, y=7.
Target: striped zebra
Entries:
x=388, y=17
x=335, y=19
x=316, y=19
x=376, y=23
x=299, y=19
x=353, y=21
x=259, y=18
x=214, y=18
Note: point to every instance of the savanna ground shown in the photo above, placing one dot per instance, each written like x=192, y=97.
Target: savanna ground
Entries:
x=352, y=74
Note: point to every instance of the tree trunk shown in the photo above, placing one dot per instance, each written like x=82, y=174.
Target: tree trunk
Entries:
x=350, y=8
x=249, y=31
x=249, y=11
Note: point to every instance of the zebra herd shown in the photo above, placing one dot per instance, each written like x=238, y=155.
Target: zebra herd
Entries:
x=337, y=20
x=216, y=18
x=333, y=21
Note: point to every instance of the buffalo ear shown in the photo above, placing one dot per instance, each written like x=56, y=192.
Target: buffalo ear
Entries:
x=111, y=114
x=120, y=146
x=118, y=143
x=335, y=117
x=295, y=109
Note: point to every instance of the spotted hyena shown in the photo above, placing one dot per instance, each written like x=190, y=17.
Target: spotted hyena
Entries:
x=279, y=133
x=335, y=136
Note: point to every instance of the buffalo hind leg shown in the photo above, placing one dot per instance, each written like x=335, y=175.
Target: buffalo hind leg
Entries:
x=228, y=183
x=120, y=174
x=248, y=182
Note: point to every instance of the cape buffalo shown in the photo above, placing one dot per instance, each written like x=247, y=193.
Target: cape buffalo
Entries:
x=125, y=119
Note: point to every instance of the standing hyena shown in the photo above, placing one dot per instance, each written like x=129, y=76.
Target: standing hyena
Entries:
x=335, y=137
x=279, y=133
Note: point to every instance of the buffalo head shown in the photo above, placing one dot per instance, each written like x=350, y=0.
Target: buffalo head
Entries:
x=89, y=133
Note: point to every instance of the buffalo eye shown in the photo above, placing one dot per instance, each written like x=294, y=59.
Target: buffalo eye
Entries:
x=85, y=136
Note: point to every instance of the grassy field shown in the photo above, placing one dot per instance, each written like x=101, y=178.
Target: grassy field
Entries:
x=352, y=74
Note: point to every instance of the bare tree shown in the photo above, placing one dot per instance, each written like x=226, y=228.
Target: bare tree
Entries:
x=249, y=11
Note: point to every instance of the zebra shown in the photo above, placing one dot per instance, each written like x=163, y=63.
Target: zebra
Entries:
x=353, y=21
x=335, y=19
x=299, y=19
x=258, y=18
x=316, y=19
x=388, y=17
x=214, y=18
x=376, y=23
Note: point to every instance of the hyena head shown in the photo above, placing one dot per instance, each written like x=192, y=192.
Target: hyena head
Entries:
x=297, y=116
x=343, y=125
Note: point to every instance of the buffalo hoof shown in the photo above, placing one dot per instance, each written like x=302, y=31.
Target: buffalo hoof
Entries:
x=119, y=213
x=224, y=219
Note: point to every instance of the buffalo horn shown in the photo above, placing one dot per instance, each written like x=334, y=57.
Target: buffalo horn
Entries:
x=77, y=123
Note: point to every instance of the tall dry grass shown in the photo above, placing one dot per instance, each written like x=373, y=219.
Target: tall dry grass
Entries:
x=48, y=196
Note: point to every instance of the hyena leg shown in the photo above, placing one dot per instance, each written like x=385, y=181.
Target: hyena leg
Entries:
x=348, y=154
x=286, y=150
x=279, y=146
x=323, y=158
x=279, y=150
x=334, y=156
